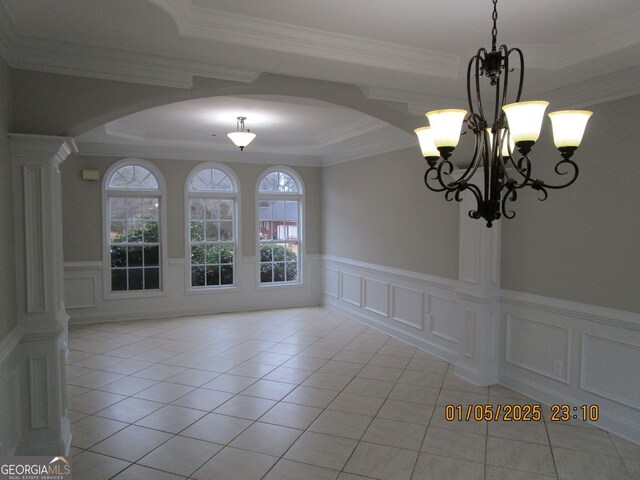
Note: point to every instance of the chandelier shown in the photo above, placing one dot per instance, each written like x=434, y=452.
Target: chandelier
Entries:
x=241, y=137
x=502, y=147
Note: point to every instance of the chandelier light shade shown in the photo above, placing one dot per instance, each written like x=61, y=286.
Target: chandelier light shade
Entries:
x=241, y=137
x=427, y=145
x=502, y=143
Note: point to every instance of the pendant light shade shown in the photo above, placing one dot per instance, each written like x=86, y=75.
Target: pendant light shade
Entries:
x=241, y=138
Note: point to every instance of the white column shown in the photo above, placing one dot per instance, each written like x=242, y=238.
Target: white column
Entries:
x=478, y=295
x=42, y=316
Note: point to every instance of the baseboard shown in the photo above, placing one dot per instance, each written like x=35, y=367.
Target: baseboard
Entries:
x=622, y=427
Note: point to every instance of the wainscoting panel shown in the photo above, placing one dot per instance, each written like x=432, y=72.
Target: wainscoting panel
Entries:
x=538, y=347
x=376, y=296
x=442, y=325
x=561, y=352
x=332, y=282
x=416, y=308
x=604, y=363
x=351, y=288
x=408, y=306
x=87, y=303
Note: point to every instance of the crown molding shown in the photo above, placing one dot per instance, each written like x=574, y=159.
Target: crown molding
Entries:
x=22, y=52
x=219, y=26
x=605, y=88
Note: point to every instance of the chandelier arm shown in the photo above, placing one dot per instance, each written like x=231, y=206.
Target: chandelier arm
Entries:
x=510, y=195
x=478, y=73
x=521, y=58
x=428, y=179
x=475, y=214
x=573, y=172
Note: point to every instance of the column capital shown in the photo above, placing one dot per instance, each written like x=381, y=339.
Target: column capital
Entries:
x=33, y=149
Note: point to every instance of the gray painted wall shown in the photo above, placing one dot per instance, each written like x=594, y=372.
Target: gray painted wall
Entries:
x=582, y=243
x=7, y=252
x=82, y=205
x=377, y=210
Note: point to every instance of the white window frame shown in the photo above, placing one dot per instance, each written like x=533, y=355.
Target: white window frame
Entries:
x=232, y=195
x=300, y=197
x=108, y=192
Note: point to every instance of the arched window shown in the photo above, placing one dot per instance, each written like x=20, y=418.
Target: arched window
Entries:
x=280, y=208
x=133, y=205
x=211, y=202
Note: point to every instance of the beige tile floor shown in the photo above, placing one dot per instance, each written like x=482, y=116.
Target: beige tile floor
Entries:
x=300, y=394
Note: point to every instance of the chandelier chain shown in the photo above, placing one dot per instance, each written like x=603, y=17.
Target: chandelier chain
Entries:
x=494, y=31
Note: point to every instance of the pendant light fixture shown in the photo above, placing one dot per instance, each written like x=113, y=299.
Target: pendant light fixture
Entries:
x=502, y=146
x=241, y=137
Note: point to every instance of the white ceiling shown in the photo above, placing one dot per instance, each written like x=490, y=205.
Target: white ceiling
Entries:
x=576, y=52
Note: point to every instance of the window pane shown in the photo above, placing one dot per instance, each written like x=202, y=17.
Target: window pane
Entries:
x=213, y=275
x=226, y=275
x=278, y=272
x=226, y=209
x=265, y=210
x=117, y=234
x=197, y=276
x=226, y=231
x=197, y=231
x=278, y=252
x=291, y=253
x=118, y=257
x=118, y=208
x=150, y=208
x=277, y=207
x=211, y=208
x=291, y=272
x=135, y=279
x=134, y=232
x=213, y=252
x=135, y=257
x=134, y=208
x=151, y=232
x=266, y=252
x=151, y=278
x=226, y=254
x=119, y=279
x=291, y=208
x=197, y=255
x=151, y=256
x=197, y=210
x=266, y=272
x=211, y=231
